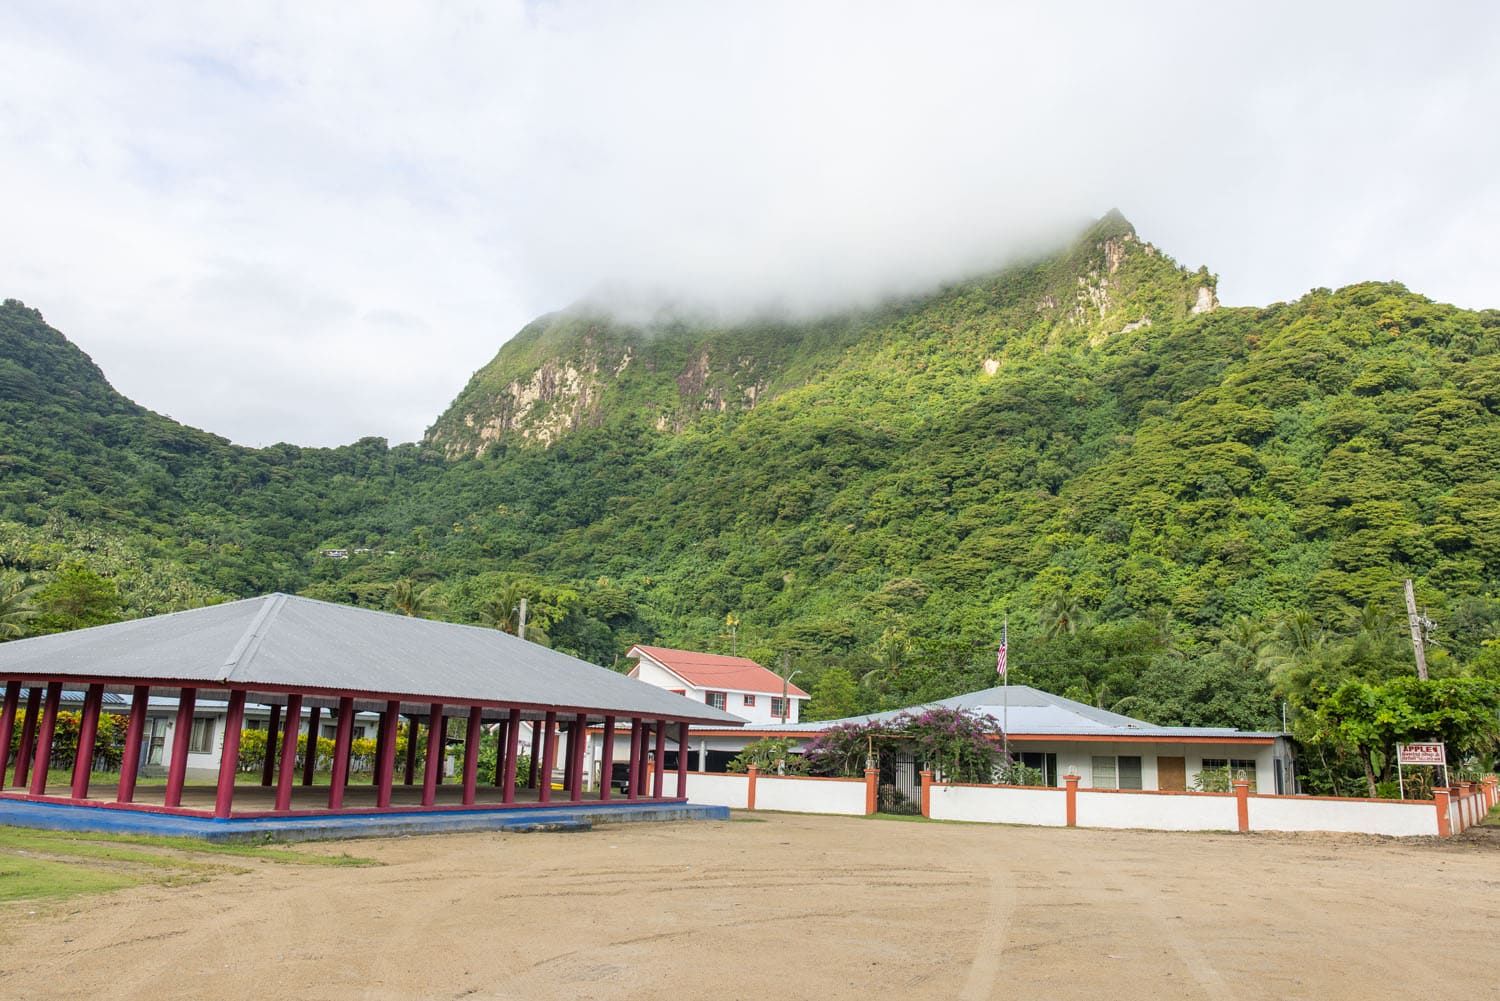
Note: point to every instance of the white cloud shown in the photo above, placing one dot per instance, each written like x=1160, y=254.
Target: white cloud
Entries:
x=312, y=223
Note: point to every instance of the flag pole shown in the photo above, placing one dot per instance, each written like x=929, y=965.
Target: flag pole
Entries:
x=1005, y=693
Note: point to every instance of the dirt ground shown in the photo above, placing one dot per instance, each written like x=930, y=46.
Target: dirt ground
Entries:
x=778, y=906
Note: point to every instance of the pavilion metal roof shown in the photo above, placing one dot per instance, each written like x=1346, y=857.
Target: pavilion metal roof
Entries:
x=287, y=642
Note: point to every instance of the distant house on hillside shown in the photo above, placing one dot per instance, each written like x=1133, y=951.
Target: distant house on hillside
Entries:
x=737, y=685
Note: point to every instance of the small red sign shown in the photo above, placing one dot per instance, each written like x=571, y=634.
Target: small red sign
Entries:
x=1421, y=754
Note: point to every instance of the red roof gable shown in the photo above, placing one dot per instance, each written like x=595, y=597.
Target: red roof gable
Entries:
x=711, y=670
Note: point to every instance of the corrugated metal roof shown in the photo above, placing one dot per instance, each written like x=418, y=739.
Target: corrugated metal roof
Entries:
x=1032, y=711
x=301, y=643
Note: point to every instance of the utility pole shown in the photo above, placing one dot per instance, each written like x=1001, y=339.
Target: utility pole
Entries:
x=1415, y=621
x=521, y=621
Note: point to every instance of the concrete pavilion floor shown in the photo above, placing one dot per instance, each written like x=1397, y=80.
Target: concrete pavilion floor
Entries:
x=526, y=815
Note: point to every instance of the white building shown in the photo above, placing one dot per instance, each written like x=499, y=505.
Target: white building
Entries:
x=1059, y=736
x=737, y=685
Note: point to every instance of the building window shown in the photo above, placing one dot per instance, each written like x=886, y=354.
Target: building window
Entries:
x=1237, y=767
x=1111, y=772
x=778, y=707
x=1044, y=763
x=202, y=739
x=715, y=699
x=330, y=732
x=749, y=700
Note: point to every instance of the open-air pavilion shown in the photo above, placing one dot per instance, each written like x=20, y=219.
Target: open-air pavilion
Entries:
x=303, y=658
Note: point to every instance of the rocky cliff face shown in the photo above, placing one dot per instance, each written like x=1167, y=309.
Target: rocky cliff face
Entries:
x=582, y=368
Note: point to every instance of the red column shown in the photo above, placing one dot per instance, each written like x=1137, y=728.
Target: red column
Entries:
x=8, y=723
x=682, y=764
x=579, y=737
x=633, y=776
x=471, y=753
x=379, y=749
x=273, y=731
x=182, y=735
x=432, y=776
x=411, y=750
x=288, y=773
x=549, y=756
x=310, y=756
x=343, y=738
x=88, y=731
x=661, y=756
x=512, y=752
x=44, y=739
x=565, y=727
x=502, y=735
x=385, y=761
x=536, y=754
x=229, y=755
x=130, y=761
x=607, y=759
x=28, y=736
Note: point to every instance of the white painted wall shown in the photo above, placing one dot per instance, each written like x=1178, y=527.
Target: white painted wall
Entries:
x=1299, y=813
x=807, y=795
x=1158, y=811
x=996, y=805
x=1077, y=757
x=712, y=789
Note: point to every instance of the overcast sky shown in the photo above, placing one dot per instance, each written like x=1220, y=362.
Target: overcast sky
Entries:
x=289, y=223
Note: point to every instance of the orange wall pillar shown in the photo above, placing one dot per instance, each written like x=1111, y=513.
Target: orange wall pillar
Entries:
x=1440, y=799
x=1070, y=781
x=926, y=792
x=750, y=787
x=872, y=790
x=1242, y=803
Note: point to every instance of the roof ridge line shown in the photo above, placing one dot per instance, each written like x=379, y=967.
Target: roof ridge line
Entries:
x=250, y=642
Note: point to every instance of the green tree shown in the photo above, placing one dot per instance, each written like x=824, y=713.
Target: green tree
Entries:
x=76, y=598
x=834, y=695
x=17, y=608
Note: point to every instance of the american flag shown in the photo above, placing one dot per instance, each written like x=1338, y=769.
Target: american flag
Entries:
x=1000, y=654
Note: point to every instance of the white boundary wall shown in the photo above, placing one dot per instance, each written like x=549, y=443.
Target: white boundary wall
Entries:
x=1158, y=811
x=1013, y=805
x=711, y=788
x=1175, y=811
x=808, y=795
x=1294, y=813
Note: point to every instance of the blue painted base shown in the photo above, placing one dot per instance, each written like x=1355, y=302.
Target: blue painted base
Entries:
x=67, y=817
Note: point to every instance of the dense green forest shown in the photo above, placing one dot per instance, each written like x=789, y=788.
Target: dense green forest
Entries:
x=1190, y=513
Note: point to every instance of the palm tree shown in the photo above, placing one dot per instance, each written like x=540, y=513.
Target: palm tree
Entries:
x=406, y=599
x=16, y=608
x=503, y=610
x=1062, y=614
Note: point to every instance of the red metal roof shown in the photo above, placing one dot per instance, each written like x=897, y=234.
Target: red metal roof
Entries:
x=711, y=670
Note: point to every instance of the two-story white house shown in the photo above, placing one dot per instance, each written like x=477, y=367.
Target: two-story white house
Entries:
x=737, y=685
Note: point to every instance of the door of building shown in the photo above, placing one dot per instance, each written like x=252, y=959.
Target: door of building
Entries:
x=1171, y=774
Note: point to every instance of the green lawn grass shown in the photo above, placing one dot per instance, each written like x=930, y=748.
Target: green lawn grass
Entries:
x=45, y=865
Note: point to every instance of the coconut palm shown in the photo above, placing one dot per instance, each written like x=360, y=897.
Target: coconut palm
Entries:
x=407, y=600
x=1061, y=615
x=16, y=608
